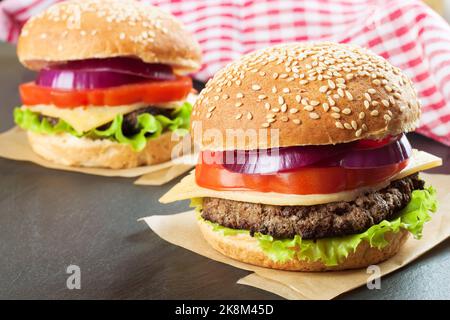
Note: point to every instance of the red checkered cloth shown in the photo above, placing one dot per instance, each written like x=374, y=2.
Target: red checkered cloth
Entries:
x=406, y=32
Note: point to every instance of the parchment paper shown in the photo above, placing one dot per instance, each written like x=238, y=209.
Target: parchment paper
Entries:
x=14, y=145
x=181, y=229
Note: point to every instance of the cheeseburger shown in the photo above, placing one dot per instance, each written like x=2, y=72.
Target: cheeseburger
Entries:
x=319, y=174
x=111, y=87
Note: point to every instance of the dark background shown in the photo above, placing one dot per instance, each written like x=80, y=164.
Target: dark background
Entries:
x=50, y=219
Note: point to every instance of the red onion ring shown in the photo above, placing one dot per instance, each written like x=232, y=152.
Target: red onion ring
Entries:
x=347, y=155
x=102, y=73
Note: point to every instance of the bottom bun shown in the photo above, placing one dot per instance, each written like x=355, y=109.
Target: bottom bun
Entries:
x=245, y=248
x=69, y=150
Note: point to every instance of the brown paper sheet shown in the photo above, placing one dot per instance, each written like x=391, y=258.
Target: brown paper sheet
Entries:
x=14, y=145
x=181, y=229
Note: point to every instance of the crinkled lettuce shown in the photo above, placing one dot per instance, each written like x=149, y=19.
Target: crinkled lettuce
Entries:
x=150, y=126
x=331, y=251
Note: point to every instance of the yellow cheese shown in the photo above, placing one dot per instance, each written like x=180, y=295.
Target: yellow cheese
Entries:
x=187, y=188
x=83, y=119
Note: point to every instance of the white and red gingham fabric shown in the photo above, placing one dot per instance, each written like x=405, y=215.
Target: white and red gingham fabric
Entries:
x=406, y=32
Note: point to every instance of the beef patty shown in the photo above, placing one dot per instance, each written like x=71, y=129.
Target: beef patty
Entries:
x=314, y=222
x=129, y=124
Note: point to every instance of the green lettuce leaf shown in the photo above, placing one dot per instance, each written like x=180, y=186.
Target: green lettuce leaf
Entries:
x=331, y=251
x=149, y=126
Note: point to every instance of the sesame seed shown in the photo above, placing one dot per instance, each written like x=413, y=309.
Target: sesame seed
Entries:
x=349, y=95
x=303, y=82
x=271, y=120
x=366, y=104
x=286, y=90
x=335, y=115
x=372, y=91
x=374, y=113
x=331, y=84
x=314, y=115
x=297, y=121
x=349, y=76
x=347, y=111
x=347, y=126
x=284, y=119
x=340, y=92
x=280, y=100
x=376, y=82
x=293, y=110
x=367, y=96
x=122, y=36
x=323, y=89
x=211, y=109
x=238, y=104
x=274, y=89
x=265, y=125
x=331, y=101
x=314, y=103
x=270, y=115
x=298, y=98
x=262, y=97
x=225, y=96
x=238, y=116
x=358, y=132
x=267, y=106
x=361, y=115
x=354, y=125
x=249, y=116
x=385, y=103
x=275, y=110
x=275, y=75
x=284, y=108
x=387, y=117
x=388, y=88
x=339, y=125
x=336, y=109
x=325, y=107
x=239, y=95
x=256, y=87
x=364, y=127
x=208, y=115
x=391, y=100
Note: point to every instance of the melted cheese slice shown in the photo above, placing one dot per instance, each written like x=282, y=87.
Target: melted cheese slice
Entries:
x=187, y=188
x=83, y=119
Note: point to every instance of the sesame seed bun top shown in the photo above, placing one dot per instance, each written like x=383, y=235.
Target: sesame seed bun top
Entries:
x=84, y=29
x=314, y=93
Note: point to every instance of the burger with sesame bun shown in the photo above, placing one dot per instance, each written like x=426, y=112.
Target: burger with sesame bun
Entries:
x=111, y=87
x=312, y=170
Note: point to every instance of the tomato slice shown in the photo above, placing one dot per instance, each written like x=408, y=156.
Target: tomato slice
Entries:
x=308, y=180
x=147, y=92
